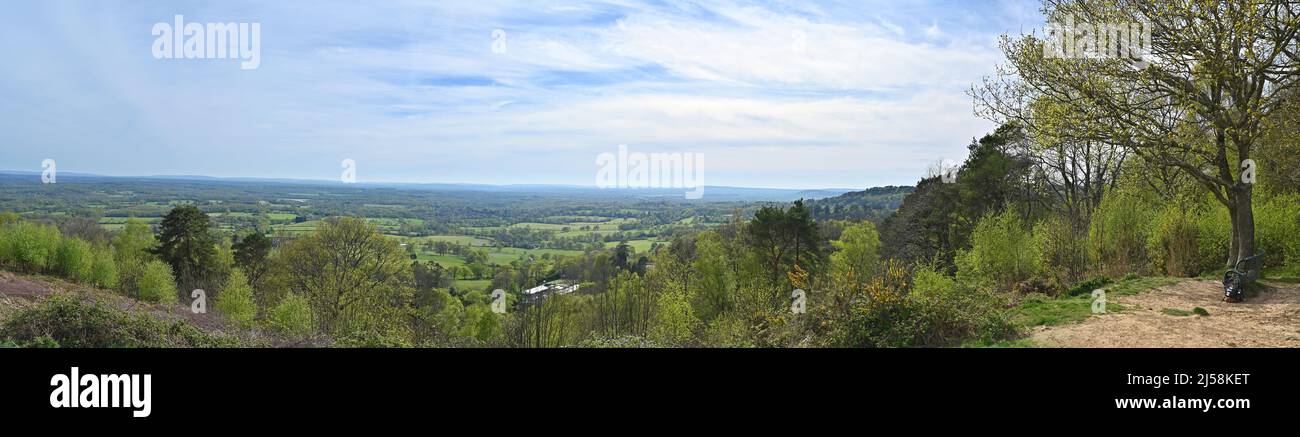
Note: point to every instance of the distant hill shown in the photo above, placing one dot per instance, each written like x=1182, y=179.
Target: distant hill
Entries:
x=711, y=193
x=871, y=204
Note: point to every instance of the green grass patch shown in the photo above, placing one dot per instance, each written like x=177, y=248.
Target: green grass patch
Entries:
x=1018, y=343
x=473, y=284
x=1040, y=309
x=1287, y=274
x=1175, y=312
x=640, y=246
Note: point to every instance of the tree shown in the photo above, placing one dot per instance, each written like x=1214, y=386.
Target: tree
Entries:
x=251, y=253
x=857, y=256
x=186, y=243
x=33, y=247
x=1198, y=100
x=783, y=239
x=85, y=228
x=429, y=276
x=716, y=281
x=354, y=277
x=132, y=249
x=292, y=317
x=674, y=321
x=74, y=260
x=481, y=323
x=236, y=299
x=103, y=272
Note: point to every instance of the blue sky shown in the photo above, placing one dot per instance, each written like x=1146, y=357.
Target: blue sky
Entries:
x=799, y=94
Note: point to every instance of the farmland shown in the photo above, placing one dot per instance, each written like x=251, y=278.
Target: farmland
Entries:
x=457, y=228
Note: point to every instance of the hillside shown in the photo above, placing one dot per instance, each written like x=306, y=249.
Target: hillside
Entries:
x=871, y=204
x=40, y=311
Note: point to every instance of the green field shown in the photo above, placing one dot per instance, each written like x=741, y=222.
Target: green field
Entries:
x=640, y=246
x=462, y=240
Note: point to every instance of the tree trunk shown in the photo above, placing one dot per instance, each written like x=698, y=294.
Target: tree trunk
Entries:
x=1245, y=222
x=1234, y=247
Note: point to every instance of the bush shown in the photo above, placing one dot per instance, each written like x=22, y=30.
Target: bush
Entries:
x=1002, y=251
x=481, y=323
x=1172, y=243
x=292, y=317
x=131, y=251
x=1118, y=233
x=1086, y=287
x=624, y=342
x=156, y=283
x=1277, y=229
x=937, y=312
x=1213, y=236
x=103, y=270
x=673, y=321
x=1063, y=251
x=236, y=299
x=74, y=260
x=29, y=247
x=68, y=321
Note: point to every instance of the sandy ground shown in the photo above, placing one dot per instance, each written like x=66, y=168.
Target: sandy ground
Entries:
x=1269, y=319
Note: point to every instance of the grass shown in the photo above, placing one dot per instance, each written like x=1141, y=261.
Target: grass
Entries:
x=1003, y=344
x=1184, y=313
x=473, y=284
x=463, y=240
x=1040, y=309
x=1287, y=274
x=499, y=256
x=640, y=246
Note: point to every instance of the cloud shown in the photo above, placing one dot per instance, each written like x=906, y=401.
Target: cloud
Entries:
x=933, y=31
x=805, y=93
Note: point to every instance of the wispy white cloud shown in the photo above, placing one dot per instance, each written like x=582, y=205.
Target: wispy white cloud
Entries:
x=802, y=93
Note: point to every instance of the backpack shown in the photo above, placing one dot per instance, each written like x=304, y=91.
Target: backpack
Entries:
x=1233, y=289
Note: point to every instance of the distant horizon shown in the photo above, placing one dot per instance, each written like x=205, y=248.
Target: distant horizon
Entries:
x=804, y=95
x=63, y=173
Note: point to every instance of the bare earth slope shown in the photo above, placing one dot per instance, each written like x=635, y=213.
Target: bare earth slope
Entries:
x=1270, y=318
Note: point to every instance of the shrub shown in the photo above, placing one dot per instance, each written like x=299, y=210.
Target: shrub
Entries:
x=69, y=321
x=156, y=283
x=1213, y=236
x=1063, y=251
x=937, y=312
x=1002, y=251
x=1172, y=243
x=1117, y=235
x=131, y=252
x=481, y=323
x=927, y=280
x=103, y=270
x=74, y=260
x=673, y=322
x=293, y=317
x=1086, y=287
x=1277, y=229
x=624, y=342
x=236, y=299
x=30, y=247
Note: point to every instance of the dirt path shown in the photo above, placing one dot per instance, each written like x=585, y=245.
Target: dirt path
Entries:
x=1269, y=319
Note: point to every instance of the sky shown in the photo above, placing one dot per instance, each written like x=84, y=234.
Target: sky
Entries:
x=791, y=94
